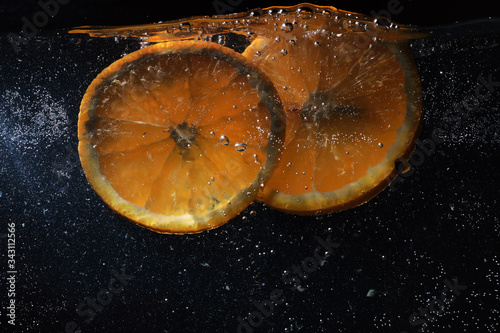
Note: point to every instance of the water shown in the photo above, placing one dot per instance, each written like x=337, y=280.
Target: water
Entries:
x=436, y=227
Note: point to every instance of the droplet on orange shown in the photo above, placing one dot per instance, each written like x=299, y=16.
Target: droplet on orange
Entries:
x=149, y=135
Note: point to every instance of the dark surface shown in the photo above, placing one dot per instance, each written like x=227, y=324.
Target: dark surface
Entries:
x=437, y=224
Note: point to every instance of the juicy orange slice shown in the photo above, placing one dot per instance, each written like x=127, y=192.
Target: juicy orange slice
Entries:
x=179, y=136
x=352, y=108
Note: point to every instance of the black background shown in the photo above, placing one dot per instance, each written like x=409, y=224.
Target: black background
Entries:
x=438, y=223
x=116, y=12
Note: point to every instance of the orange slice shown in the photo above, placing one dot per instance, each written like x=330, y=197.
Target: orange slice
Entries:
x=353, y=109
x=180, y=136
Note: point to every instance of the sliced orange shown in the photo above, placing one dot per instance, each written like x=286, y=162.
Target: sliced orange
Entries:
x=353, y=109
x=180, y=136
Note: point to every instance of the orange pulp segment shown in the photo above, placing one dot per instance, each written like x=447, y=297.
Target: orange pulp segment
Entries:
x=178, y=137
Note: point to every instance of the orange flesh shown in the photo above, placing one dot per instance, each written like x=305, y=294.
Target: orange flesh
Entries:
x=158, y=129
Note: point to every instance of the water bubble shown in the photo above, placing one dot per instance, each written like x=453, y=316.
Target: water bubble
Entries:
x=240, y=146
x=212, y=178
x=284, y=52
x=212, y=133
x=291, y=42
x=287, y=27
x=380, y=145
x=224, y=140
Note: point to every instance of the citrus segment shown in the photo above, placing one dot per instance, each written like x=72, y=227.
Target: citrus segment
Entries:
x=178, y=136
x=353, y=109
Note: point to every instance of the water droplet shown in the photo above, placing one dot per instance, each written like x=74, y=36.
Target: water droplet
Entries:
x=380, y=145
x=224, y=140
x=257, y=53
x=287, y=27
x=284, y=52
x=209, y=183
x=240, y=146
x=317, y=44
x=291, y=42
x=212, y=133
x=212, y=178
x=289, y=164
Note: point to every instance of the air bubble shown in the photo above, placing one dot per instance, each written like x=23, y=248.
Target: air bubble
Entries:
x=212, y=178
x=224, y=140
x=240, y=146
x=287, y=27
x=380, y=145
x=284, y=52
